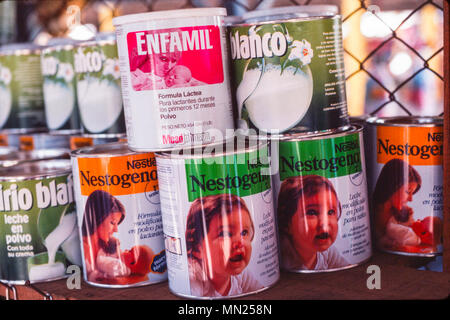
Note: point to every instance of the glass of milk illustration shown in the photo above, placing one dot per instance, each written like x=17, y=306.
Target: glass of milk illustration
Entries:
x=272, y=82
x=61, y=240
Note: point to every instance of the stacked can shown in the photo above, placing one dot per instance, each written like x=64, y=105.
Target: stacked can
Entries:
x=219, y=222
x=38, y=225
x=289, y=80
x=21, y=99
x=98, y=91
x=406, y=184
x=175, y=82
x=288, y=69
x=119, y=216
x=60, y=95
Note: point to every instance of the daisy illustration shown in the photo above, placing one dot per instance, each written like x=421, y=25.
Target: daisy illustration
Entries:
x=65, y=71
x=301, y=50
x=112, y=68
x=5, y=75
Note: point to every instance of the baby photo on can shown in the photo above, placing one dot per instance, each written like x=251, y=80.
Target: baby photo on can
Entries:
x=218, y=260
x=119, y=216
x=219, y=224
x=407, y=185
x=308, y=215
x=322, y=203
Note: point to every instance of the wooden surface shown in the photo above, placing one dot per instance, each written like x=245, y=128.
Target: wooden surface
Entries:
x=446, y=136
x=397, y=282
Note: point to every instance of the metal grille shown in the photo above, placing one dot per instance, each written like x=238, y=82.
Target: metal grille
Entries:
x=416, y=92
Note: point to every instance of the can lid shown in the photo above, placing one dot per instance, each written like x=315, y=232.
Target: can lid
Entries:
x=36, y=169
x=15, y=157
x=234, y=145
x=407, y=121
x=102, y=36
x=169, y=14
x=290, y=12
x=104, y=150
x=23, y=131
x=60, y=41
x=20, y=48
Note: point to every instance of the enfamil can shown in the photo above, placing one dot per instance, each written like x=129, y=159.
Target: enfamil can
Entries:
x=175, y=82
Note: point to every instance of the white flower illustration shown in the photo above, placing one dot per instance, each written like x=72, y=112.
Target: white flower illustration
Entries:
x=301, y=50
x=5, y=75
x=112, y=68
x=65, y=71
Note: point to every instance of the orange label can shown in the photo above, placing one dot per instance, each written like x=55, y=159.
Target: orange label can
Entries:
x=405, y=180
x=119, y=215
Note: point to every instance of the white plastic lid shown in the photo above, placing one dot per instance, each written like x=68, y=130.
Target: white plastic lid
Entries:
x=291, y=11
x=169, y=14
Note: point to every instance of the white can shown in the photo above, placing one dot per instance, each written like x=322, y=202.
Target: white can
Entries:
x=175, y=82
x=218, y=220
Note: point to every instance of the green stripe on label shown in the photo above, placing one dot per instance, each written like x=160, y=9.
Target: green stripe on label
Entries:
x=240, y=174
x=330, y=158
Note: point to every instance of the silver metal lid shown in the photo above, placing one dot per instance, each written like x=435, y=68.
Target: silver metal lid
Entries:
x=282, y=13
x=23, y=131
x=20, y=49
x=234, y=145
x=104, y=150
x=16, y=157
x=339, y=132
x=36, y=169
x=407, y=121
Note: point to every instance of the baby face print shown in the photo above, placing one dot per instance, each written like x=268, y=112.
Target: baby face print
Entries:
x=314, y=226
x=228, y=244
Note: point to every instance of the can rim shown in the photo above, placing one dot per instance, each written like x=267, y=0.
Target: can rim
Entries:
x=290, y=19
x=169, y=14
x=301, y=11
x=24, y=131
x=407, y=121
x=333, y=133
x=58, y=172
x=57, y=47
x=106, y=150
x=193, y=151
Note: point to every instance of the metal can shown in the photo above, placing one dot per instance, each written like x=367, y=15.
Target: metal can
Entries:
x=406, y=184
x=38, y=225
x=322, y=202
x=60, y=95
x=43, y=140
x=218, y=220
x=116, y=192
x=89, y=140
x=16, y=157
x=12, y=137
x=21, y=99
x=288, y=69
x=98, y=86
x=175, y=82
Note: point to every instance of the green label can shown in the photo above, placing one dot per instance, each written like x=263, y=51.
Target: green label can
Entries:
x=38, y=225
x=21, y=99
x=98, y=87
x=289, y=73
x=322, y=203
x=218, y=222
x=60, y=96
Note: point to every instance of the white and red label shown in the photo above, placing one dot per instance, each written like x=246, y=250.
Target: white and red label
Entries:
x=175, y=57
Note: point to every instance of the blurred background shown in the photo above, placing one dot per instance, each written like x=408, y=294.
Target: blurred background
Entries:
x=393, y=48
